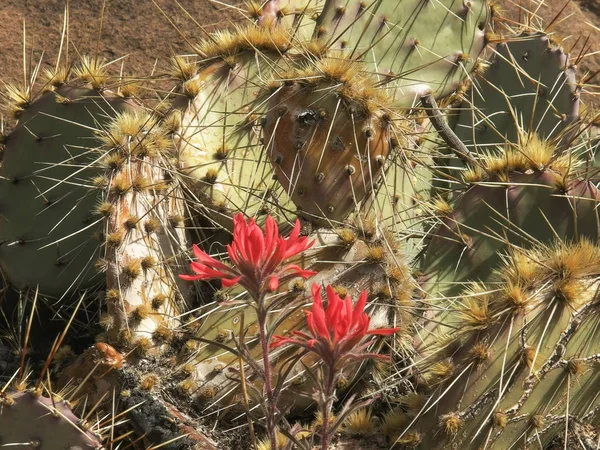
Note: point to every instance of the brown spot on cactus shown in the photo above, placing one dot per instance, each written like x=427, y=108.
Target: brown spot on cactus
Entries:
x=140, y=183
x=129, y=90
x=189, y=347
x=479, y=353
x=441, y=207
x=101, y=265
x=302, y=147
x=340, y=10
x=105, y=209
x=441, y=370
x=142, y=346
x=528, y=356
x=100, y=181
x=221, y=153
x=130, y=270
x=298, y=285
x=360, y=423
x=113, y=295
x=516, y=298
x=183, y=69
x=125, y=337
x=375, y=254
x=191, y=88
x=92, y=71
x=140, y=313
x=176, y=220
x=187, y=386
x=188, y=369
x=347, y=237
x=106, y=321
x=207, y=393
x=575, y=367
x=340, y=290
x=119, y=185
x=537, y=421
x=162, y=334
x=113, y=161
x=211, y=176
x=397, y=274
x=414, y=401
x=384, y=292
x=474, y=311
x=148, y=262
x=223, y=335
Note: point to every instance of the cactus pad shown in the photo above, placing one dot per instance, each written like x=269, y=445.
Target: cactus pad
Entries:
x=221, y=150
x=413, y=47
x=528, y=86
x=29, y=420
x=48, y=199
x=328, y=140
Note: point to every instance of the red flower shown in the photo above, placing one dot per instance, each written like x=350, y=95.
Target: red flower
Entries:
x=256, y=257
x=337, y=331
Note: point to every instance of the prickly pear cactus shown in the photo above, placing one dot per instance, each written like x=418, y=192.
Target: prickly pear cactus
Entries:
x=221, y=152
x=145, y=236
x=412, y=47
x=28, y=419
x=520, y=197
x=511, y=277
x=48, y=198
x=528, y=86
x=516, y=364
x=322, y=121
x=329, y=134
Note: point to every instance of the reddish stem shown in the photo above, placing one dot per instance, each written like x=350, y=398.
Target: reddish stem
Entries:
x=271, y=407
x=327, y=404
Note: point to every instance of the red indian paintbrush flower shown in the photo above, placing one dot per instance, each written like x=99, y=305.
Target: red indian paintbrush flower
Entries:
x=256, y=257
x=337, y=331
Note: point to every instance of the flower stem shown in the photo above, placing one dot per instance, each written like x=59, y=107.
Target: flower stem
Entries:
x=271, y=407
x=244, y=387
x=327, y=404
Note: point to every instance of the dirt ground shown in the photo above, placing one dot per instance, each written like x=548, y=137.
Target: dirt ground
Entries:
x=143, y=31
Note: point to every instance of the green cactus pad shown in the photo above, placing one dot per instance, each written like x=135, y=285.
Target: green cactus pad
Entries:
x=31, y=421
x=528, y=87
x=221, y=148
x=47, y=225
x=519, y=355
x=397, y=199
x=508, y=272
x=492, y=217
x=413, y=47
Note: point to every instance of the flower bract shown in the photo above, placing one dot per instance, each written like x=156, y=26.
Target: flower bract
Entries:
x=256, y=257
